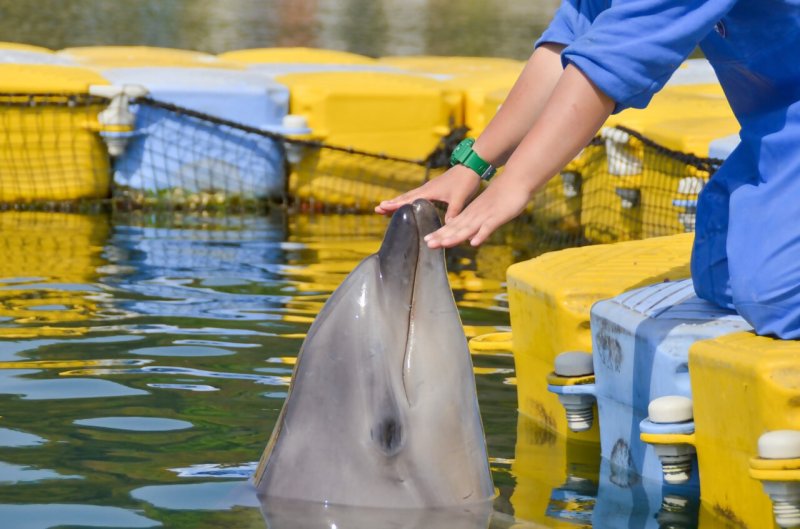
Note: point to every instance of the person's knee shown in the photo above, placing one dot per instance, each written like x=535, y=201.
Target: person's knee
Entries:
x=768, y=302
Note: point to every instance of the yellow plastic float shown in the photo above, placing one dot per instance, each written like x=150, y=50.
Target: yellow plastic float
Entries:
x=294, y=55
x=354, y=102
x=51, y=150
x=483, y=81
x=549, y=300
x=630, y=192
x=18, y=46
x=102, y=57
x=744, y=386
x=397, y=115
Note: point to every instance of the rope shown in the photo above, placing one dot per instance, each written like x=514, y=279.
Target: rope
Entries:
x=277, y=136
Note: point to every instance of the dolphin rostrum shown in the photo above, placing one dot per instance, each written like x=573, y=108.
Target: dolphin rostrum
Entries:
x=382, y=410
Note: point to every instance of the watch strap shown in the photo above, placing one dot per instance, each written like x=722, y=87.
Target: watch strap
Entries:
x=464, y=155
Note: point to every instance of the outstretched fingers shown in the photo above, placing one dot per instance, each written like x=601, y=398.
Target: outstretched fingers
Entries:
x=391, y=205
x=474, y=228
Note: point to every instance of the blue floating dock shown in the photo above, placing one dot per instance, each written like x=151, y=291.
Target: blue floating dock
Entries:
x=171, y=150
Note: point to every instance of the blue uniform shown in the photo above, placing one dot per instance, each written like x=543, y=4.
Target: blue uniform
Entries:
x=747, y=248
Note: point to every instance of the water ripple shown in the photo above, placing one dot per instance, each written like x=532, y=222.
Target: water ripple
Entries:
x=183, y=371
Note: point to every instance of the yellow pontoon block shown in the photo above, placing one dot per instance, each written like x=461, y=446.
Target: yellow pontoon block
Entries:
x=743, y=386
x=629, y=192
x=50, y=149
x=483, y=81
x=394, y=114
x=452, y=65
x=103, y=57
x=549, y=301
x=296, y=55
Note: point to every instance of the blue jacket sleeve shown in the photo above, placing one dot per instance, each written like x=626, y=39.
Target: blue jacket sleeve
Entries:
x=632, y=48
x=568, y=23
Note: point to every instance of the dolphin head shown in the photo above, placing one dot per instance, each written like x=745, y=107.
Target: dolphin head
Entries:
x=382, y=410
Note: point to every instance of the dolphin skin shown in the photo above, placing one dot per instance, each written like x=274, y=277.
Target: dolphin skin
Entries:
x=382, y=410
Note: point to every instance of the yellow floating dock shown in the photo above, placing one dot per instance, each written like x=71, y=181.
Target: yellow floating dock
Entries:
x=632, y=191
x=483, y=81
x=102, y=57
x=549, y=300
x=403, y=116
x=295, y=55
x=742, y=385
x=51, y=150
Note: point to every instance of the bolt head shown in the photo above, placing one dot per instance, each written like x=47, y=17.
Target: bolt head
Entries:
x=779, y=444
x=671, y=409
x=574, y=364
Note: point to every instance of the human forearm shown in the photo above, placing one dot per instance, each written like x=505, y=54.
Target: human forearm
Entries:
x=571, y=117
x=523, y=105
x=566, y=124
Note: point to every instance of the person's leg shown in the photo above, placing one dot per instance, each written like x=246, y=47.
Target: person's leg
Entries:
x=709, y=264
x=763, y=243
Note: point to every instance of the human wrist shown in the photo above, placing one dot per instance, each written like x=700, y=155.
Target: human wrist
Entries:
x=465, y=155
x=465, y=172
x=483, y=148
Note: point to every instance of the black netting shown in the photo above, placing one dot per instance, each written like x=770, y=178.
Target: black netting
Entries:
x=52, y=151
x=624, y=186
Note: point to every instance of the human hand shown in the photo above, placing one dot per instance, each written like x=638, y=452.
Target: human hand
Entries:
x=455, y=186
x=499, y=203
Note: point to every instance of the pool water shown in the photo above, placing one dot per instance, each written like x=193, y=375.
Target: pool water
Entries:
x=144, y=361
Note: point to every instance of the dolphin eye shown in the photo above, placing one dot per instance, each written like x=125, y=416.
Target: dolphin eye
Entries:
x=389, y=436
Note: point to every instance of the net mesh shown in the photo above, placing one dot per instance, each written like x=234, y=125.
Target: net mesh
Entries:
x=50, y=151
x=621, y=186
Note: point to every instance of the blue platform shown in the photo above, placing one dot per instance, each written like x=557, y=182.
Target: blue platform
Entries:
x=171, y=150
x=641, y=343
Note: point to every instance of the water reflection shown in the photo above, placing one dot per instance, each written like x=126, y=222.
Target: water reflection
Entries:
x=220, y=268
x=52, y=515
x=576, y=488
x=48, y=272
x=286, y=514
x=373, y=27
x=144, y=361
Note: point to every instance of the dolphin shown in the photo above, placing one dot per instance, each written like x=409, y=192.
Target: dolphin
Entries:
x=292, y=514
x=382, y=410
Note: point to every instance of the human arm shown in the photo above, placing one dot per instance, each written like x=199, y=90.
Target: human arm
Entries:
x=626, y=55
x=567, y=122
x=513, y=120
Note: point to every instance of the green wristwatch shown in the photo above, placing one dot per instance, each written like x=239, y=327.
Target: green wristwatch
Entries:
x=464, y=155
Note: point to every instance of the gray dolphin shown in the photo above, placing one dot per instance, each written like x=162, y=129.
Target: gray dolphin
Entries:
x=293, y=514
x=382, y=410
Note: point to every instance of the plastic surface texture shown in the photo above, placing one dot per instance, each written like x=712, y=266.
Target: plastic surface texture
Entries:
x=743, y=385
x=641, y=348
x=102, y=57
x=550, y=298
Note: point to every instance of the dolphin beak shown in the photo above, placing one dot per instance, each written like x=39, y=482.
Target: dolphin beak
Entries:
x=403, y=245
x=427, y=218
